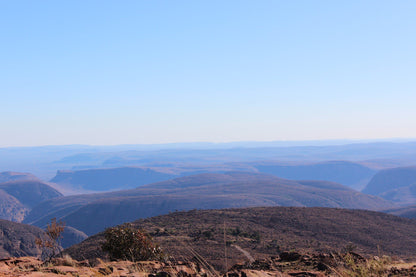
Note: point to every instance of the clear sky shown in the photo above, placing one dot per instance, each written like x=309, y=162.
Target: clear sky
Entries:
x=127, y=72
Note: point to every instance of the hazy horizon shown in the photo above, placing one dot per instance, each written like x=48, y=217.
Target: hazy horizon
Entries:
x=254, y=143
x=156, y=72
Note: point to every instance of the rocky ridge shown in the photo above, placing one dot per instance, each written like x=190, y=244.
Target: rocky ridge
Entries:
x=284, y=265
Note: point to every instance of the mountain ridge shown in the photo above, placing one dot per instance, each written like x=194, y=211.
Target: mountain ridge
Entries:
x=94, y=212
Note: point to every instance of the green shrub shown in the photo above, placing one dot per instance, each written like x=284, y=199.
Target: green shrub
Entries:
x=128, y=243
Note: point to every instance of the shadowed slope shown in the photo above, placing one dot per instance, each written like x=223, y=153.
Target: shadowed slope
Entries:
x=18, y=239
x=18, y=197
x=11, y=208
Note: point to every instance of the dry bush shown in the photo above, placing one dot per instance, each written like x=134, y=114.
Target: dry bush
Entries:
x=128, y=243
x=374, y=267
x=50, y=243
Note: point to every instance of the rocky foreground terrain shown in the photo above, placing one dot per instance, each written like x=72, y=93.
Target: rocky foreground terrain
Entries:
x=286, y=264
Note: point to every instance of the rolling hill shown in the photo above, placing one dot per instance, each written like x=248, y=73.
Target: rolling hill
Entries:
x=395, y=184
x=30, y=192
x=266, y=231
x=349, y=174
x=92, y=213
x=19, y=196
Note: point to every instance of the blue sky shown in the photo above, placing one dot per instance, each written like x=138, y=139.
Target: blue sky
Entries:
x=126, y=72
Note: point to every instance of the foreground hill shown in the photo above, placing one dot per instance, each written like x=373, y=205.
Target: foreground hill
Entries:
x=19, y=196
x=395, y=184
x=18, y=239
x=110, y=179
x=261, y=232
x=350, y=174
x=92, y=213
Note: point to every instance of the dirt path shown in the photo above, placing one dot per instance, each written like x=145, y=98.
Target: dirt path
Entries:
x=249, y=257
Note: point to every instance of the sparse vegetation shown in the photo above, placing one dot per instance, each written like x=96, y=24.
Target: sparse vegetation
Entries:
x=280, y=229
x=373, y=267
x=50, y=244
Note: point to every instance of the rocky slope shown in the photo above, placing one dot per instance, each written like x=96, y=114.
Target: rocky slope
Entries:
x=18, y=239
x=284, y=265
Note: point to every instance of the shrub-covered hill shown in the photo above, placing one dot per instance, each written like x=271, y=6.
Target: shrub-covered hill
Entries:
x=261, y=232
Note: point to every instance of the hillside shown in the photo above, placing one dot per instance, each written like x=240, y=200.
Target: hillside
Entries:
x=30, y=192
x=19, y=196
x=396, y=184
x=346, y=173
x=11, y=208
x=268, y=231
x=18, y=239
x=110, y=179
x=93, y=212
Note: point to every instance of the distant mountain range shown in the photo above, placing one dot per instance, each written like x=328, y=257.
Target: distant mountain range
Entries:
x=262, y=232
x=92, y=213
x=110, y=179
x=49, y=159
x=350, y=174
